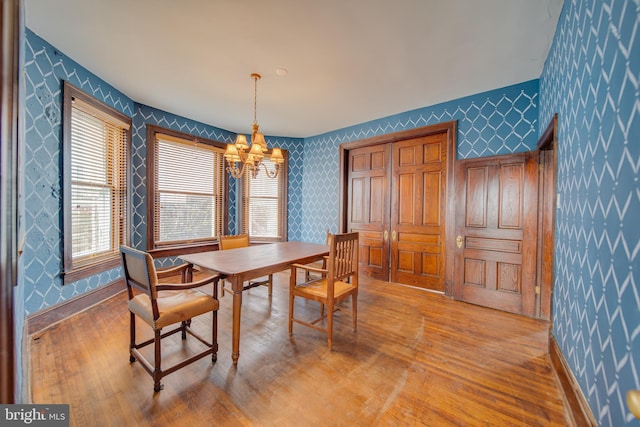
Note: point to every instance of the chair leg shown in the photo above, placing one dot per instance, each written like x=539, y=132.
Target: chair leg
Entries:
x=132, y=336
x=214, y=335
x=330, y=325
x=184, y=330
x=291, y=313
x=157, y=371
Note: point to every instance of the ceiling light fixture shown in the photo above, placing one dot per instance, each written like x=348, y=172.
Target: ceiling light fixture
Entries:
x=250, y=156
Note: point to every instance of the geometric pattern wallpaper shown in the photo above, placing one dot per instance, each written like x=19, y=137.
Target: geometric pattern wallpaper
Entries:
x=501, y=121
x=41, y=261
x=592, y=81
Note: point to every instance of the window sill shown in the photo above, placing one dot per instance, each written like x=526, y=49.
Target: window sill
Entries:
x=90, y=270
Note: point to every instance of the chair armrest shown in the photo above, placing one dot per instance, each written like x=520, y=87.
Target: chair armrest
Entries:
x=310, y=268
x=172, y=271
x=189, y=285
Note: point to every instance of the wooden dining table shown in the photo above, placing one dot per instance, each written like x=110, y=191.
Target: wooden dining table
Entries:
x=243, y=264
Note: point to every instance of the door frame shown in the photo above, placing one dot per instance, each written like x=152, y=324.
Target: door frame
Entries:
x=11, y=19
x=450, y=128
x=548, y=147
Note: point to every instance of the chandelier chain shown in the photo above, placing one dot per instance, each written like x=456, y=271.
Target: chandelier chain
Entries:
x=255, y=97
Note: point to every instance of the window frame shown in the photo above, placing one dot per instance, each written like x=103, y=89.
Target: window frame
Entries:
x=243, y=211
x=180, y=248
x=71, y=272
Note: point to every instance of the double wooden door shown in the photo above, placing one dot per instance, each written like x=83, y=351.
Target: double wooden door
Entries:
x=397, y=195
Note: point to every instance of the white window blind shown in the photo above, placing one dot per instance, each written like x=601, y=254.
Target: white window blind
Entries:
x=98, y=185
x=189, y=197
x=264, y=204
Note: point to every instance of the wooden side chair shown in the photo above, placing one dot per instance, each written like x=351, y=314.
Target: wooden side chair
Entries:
x=338, y=281
x=163, y=305
x=242, y=241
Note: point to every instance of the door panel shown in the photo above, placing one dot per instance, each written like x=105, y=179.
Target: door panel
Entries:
x=418, y=211
x=397, y=191
x=432, y=187
x=495, y=264
x=368, y=207
x=511, y=191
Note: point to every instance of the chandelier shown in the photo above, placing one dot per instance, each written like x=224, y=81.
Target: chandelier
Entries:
x=242, y=157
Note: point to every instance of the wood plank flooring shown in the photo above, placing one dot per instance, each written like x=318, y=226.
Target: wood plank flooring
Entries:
x=418, y=358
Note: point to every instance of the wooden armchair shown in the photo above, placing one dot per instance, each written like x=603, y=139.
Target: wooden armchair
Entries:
x=162, y=305
x=337, y=281
x=242, y=241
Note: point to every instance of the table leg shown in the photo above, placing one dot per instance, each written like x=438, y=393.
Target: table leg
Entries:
x=237, y=306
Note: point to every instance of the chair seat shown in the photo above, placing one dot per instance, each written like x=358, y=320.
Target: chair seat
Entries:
x=319, y=288
x=173, y=306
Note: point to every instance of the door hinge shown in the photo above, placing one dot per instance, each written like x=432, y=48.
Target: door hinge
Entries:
x=537, y=290
x=541, y=167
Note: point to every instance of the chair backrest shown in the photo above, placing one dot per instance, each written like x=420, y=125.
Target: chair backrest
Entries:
x=343, y=256
x=139, y=271
x=232, y=242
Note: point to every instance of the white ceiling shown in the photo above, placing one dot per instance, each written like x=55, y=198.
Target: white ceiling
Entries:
x=348, y=61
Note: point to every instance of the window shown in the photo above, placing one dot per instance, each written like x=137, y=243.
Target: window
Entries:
x=264, y=204
x=96, y=143
x=186, y=189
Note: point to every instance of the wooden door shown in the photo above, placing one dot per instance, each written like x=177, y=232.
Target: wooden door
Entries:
x=418, y=210
x=395, y=192
x=496, y=225
x=368, y=198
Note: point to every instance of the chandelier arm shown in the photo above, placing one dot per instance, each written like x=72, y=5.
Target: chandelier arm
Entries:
x=237, y=172
x=271, y=173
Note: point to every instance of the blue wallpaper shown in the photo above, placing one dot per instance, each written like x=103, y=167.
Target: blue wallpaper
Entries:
x=501, y=121
x=41, y=262
x=591, y=79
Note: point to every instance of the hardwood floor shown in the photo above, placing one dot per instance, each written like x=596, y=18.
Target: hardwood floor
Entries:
x=418, y=358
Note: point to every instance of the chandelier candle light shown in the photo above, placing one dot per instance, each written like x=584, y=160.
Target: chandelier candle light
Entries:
x=251, y=156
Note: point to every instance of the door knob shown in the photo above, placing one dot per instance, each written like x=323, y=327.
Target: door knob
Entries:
x=386, y=235
x=459, y=241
